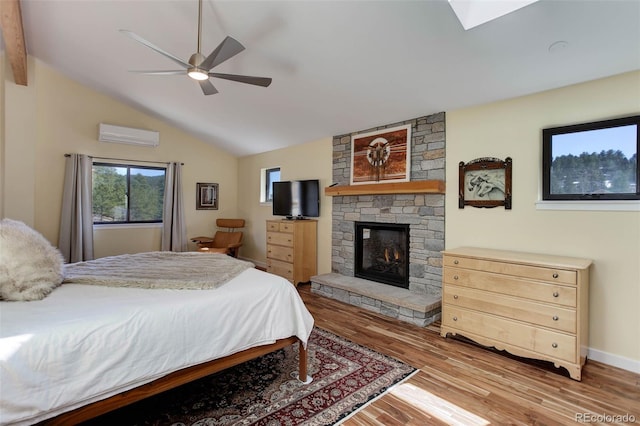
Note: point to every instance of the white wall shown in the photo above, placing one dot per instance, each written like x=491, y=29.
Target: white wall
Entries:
x=513, y=128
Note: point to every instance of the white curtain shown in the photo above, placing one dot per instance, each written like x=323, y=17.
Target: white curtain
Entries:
x=76, y=223
x=174, y=234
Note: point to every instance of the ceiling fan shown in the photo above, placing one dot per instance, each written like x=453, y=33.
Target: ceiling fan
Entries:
x=199, y=67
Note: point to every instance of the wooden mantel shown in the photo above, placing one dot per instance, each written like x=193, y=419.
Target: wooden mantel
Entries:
x=413, y=187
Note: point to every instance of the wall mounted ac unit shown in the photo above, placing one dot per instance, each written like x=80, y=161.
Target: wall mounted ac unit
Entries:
x=128, y=135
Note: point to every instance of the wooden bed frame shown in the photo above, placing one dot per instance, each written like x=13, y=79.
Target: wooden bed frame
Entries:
x=175, y=379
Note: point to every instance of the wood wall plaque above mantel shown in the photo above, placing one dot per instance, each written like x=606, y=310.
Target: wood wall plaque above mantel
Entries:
x=413, y=187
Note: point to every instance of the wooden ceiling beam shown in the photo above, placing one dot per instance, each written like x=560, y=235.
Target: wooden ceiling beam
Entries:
x=13, y=34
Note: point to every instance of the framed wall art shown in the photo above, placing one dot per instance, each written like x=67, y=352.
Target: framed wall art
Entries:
x=485, y=182
x=381, y=156
x=206, y=196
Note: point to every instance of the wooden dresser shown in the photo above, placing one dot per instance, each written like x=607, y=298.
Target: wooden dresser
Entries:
x=291, y=249
x=531, y=305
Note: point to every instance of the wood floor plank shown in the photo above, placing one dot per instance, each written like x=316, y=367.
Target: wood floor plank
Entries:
x=462, y=383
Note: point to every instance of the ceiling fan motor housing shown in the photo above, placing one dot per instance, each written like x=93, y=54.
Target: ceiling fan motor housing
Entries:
x=196, y=59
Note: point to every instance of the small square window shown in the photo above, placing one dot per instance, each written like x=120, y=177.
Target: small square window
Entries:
x=268, y=176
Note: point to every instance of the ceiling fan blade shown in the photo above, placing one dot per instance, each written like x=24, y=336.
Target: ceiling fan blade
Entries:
x=139, y=39
x=256, y=81
x=207, y=87
x=229, y=48
x=168, y=72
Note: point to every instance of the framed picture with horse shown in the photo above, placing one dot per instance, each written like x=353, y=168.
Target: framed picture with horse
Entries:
x=485, y=182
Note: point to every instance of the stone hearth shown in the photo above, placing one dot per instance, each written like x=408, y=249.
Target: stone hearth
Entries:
x=424, y=212
x=383, y=299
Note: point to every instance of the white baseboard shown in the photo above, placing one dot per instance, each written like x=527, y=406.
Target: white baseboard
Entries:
x=614, y=360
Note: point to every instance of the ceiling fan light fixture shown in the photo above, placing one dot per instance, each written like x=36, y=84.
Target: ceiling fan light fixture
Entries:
x=198, y=74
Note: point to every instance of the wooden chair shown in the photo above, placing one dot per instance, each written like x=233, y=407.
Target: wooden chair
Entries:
x=227, y=241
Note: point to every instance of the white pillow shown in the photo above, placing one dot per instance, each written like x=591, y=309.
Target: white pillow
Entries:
x=30, y=267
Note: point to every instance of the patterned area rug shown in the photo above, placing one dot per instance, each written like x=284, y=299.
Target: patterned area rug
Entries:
x=265, y=391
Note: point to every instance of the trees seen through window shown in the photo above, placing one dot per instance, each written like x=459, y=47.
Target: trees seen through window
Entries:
x=127, y=194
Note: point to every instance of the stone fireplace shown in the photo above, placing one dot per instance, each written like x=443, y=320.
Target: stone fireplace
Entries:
x=421, y=211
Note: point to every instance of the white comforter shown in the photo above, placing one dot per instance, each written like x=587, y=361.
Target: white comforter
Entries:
x=84, y=343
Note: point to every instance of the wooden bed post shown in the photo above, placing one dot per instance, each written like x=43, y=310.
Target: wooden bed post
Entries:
x=302, y=365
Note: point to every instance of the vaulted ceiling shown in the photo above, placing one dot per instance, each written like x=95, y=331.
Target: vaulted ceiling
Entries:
x=337, y=66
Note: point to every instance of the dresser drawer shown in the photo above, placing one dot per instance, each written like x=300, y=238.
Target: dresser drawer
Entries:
x=280, y=238
x=552, y=275
x=554, y=344
x=280, y=253
x=280, y=226
x=282, y=269
x=287, y=227
x=556, y=317
x=513, y=286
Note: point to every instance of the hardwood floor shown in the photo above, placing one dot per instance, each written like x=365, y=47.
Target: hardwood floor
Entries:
x=461, y=383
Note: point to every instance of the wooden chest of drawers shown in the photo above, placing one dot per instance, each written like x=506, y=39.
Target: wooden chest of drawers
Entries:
x=530, y=305
x=291, y=249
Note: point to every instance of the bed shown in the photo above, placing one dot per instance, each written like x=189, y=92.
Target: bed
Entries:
x=87, y=349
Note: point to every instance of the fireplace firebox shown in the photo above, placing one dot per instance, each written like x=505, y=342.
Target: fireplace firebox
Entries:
x=382, y=252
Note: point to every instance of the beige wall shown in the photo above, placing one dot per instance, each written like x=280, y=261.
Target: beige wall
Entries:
x=2, y=131
x=54, y=115
x=18, y=167
x=311, y=160
x=611, y=238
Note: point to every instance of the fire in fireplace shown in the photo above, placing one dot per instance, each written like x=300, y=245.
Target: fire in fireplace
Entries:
x=382, y=252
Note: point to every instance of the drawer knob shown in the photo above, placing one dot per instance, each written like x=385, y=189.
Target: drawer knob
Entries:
x=554, y=345
x=556, y=294
x=555, y=318
x=455, y=318
x=455, y=277
x=555, y=275
x=455, y=296
x=455, y=262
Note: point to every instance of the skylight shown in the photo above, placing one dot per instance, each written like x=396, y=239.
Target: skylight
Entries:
x=472, y=13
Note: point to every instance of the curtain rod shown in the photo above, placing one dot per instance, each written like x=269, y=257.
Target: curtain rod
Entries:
x=125, y=159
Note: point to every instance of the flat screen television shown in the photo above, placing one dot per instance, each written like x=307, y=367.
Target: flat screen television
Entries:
x=296, y=199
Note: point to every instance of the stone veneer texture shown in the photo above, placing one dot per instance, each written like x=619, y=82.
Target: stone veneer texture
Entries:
x=423, y=212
